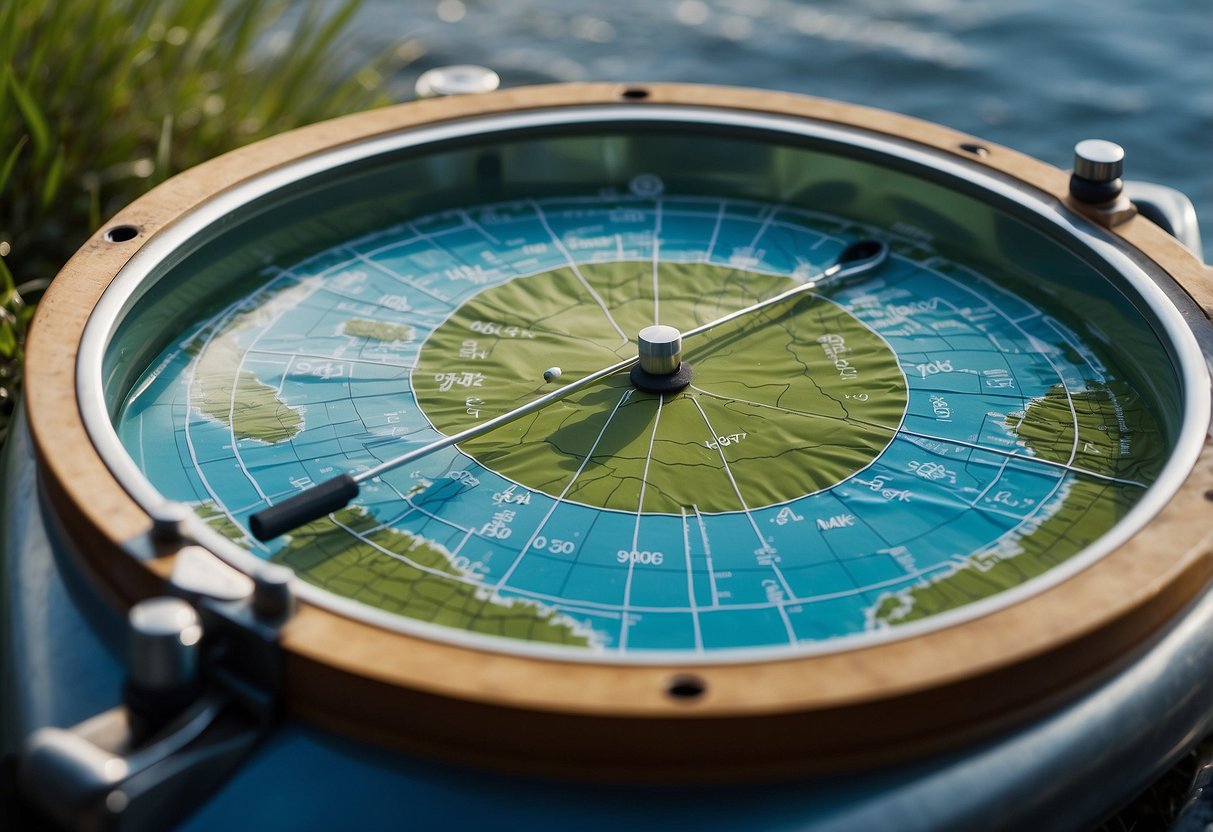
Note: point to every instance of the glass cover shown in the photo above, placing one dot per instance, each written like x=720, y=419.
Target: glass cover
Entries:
x=935, y=437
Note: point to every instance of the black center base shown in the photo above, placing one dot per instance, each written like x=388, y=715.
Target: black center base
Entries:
x=666, y=383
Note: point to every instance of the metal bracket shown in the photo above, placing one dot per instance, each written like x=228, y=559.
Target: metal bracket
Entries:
x=1169, y=209
x=144, y=765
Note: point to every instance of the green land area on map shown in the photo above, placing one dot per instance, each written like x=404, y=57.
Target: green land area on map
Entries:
x=420, y=582
x=1116, y=437
x=378, y=330
x=220, y=522
x=252, y=409
x=804, y=389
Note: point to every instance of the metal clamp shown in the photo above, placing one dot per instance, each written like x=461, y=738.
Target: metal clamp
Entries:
x=203, y=688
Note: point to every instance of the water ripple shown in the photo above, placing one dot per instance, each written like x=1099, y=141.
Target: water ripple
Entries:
x=1036, y=75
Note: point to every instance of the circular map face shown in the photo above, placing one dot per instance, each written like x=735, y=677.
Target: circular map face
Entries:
x=885, y=452
x=820, y=396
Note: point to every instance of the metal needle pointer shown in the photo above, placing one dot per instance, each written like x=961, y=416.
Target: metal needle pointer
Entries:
x=336, y=493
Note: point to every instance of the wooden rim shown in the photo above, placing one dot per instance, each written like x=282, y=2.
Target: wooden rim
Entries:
x=857, y=707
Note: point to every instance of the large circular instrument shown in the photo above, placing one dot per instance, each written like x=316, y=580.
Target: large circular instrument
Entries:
x=951, y=478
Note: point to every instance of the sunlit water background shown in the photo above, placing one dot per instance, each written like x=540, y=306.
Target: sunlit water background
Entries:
x=1034, y=75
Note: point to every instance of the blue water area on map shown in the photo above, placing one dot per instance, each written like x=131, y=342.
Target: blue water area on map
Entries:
x=953, y=481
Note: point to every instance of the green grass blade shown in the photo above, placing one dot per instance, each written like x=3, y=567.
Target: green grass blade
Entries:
x=164, y=150
x=54, y=177
x=40, y=131
x=102, y=99
x=11, y=161
x=7, y=284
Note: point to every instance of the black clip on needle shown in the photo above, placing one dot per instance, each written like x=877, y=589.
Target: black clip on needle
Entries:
x=324, y=498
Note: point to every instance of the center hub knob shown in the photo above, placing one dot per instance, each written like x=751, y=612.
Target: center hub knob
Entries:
x=660, y=368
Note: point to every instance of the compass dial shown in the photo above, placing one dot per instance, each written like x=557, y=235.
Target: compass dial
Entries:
x=899, y=451
x=935, y=453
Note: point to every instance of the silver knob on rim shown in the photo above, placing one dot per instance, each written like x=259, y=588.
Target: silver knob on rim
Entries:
x=272, y=596
x=1098, y=166
x=164, y=641
x=1099, y=160
x=169, y=521
x=460, y=79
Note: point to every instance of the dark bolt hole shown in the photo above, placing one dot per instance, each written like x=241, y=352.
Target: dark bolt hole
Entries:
x=121, y=233
x=687, y=687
